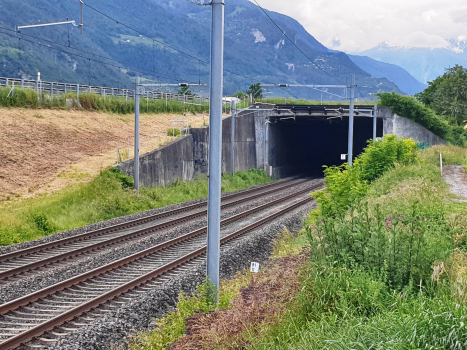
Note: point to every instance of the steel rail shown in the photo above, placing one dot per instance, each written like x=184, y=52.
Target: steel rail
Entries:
x=52, y=289
x=69, y=315
x=125, y=237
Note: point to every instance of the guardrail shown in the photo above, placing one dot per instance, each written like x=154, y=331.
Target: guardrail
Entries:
x=55, y=89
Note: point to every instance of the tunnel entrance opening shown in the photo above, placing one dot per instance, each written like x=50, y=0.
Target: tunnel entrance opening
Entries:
x=303, y=145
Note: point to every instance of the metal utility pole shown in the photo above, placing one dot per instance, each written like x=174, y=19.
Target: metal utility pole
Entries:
x=375, y=115
x=215, y=142
x=232, y=153
x=351, y=117
x=136, y=166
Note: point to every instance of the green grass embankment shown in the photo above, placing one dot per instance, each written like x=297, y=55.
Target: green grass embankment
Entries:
x=28, y=98
x=388, y=264
x=108, y=196
x=293, y=101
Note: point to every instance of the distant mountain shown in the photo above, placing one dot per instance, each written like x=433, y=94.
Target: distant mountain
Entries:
x=406, y=82
x=253, y=46
x=422, y=63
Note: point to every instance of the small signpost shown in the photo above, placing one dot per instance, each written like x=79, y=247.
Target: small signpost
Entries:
x=343, y=156
x=254, y=267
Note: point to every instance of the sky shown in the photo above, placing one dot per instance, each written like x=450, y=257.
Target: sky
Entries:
x=359, y=25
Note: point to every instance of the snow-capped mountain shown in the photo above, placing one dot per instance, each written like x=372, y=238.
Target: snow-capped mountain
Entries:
x=458, y=45
x=425, y=64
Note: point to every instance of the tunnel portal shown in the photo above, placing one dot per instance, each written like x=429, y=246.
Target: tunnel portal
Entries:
x=301, y=144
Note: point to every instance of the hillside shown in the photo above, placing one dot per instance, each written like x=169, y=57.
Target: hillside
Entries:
x=406, y=82
x=253, y=46
x=42, y=151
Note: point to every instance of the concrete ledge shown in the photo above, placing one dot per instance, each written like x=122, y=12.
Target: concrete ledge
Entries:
x=403, y=127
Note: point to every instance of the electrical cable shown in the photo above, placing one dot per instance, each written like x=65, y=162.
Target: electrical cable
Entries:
x=162, y=43
x=299, y=49
x=364, y=99
x=120, y=65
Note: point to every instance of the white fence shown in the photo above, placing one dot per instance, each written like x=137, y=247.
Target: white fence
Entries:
x=54, y=89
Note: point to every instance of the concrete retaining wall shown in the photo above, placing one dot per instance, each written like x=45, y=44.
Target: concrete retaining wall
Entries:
x=187, y=157
x=403, y=127
x=165, y=165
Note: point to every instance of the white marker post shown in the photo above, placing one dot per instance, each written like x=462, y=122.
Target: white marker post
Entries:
x=254, y=267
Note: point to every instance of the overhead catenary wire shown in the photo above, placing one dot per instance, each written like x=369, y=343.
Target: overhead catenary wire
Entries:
x=118, y=65
x=162, y=43
x=360, y=93
x=293, y=43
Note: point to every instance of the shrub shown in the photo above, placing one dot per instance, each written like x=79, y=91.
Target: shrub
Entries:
x=409, y=107
x=172, y=131
x=42, y=223
x=346, y=184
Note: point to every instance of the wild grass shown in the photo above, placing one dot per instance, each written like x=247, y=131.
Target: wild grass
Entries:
x=29, y=98
x=173, y=325
x=107, y=196
x=292, y=101
x=390, y=273
x=452, y=155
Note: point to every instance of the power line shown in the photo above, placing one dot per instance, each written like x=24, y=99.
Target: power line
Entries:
x=299, y=49
x=120, y=65
x=361, y=95
x=162, y=43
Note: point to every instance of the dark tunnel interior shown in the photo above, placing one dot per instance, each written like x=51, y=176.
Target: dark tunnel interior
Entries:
x=303, y=146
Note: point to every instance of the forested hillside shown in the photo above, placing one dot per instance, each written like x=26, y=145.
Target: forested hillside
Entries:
x=110, y=53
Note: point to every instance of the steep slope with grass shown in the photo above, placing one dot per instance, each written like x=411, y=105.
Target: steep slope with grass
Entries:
x=108, y=196
x=43, y=150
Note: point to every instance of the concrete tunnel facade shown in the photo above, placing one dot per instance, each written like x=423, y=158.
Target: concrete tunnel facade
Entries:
x=291, y=143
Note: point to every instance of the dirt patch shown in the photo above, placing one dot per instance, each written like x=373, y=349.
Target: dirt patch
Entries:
x=261, y=303
x=42, y=151
x=455, y=176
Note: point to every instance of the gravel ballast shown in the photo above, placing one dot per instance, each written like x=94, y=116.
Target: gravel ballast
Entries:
x=61, y=272
x=139, y=313
x=115, y=221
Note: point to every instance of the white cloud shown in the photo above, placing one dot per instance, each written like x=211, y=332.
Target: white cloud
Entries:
x=363, y=24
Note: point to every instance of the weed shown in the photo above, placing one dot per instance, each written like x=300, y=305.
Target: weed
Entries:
x=38, y=116
x=170, y=132
x=42, y=223
x=109, y=195
x=29, y=98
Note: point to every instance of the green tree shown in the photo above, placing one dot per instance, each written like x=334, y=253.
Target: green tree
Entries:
x=184, y=90
x=255, y=90
x=447, y=95
x=239, y=94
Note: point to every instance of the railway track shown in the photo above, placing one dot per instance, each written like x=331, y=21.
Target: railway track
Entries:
x=19, y=263
x=65, y=307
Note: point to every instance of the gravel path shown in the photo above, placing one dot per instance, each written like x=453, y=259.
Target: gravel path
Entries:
x=455, y=176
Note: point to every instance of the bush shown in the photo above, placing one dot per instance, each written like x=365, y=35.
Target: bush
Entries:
x=172, y=131
x=42, y=223
x=410, y=108
x=398, y=249
x=346, y=184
